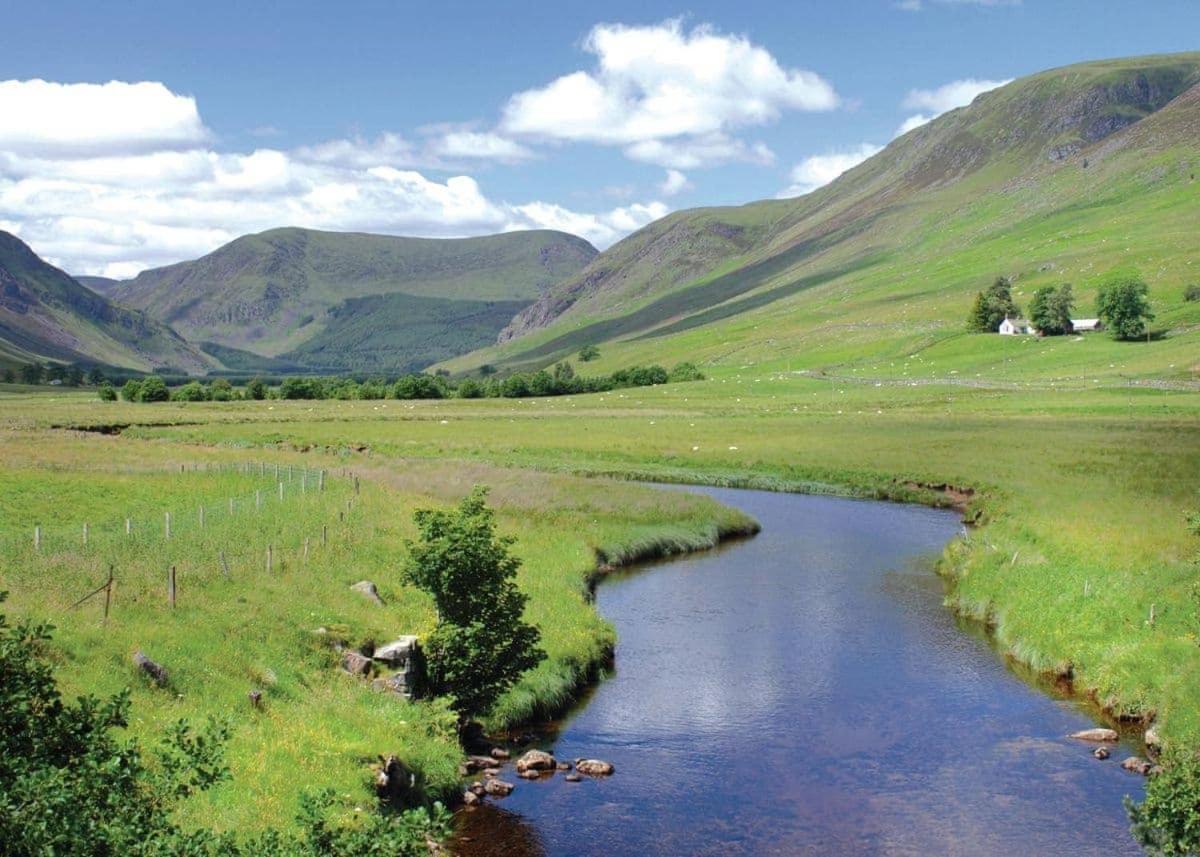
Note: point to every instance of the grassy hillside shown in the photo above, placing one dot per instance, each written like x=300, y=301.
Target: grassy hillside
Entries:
x=295, y=293
x=47, y=315
x=1059, y=177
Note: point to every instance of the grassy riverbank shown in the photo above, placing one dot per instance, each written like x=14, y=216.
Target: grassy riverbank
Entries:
x=1080, y=492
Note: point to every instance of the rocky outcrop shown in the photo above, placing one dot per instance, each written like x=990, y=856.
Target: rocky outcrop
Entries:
x=536, y=760
x=498, y=788
x=594, y=767
x=367, y=589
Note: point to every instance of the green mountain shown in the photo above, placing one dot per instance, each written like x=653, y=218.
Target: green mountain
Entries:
x=1059, y=177
x=349, y=301
x=47, y=315
x=100, y=285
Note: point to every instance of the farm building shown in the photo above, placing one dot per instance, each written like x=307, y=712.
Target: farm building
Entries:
x=1086, y=325
x=1015, y=327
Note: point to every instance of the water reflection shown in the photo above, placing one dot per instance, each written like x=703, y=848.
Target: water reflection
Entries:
x=806, y=692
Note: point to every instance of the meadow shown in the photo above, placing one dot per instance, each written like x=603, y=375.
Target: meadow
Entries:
x=1080, y=492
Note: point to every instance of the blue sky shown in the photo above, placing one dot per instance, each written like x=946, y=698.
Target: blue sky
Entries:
x=463, y=118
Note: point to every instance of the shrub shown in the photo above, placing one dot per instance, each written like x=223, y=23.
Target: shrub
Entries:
x=107, y=392
x=302, y=388
x=154, y=389
x=418, y=386
x=220, y=390
x=132, y=391
x=589, y=353
x=686, y=371
x=1123, y=305
x=481, y=645
x=1192, y=293
x=469, y=389
x=515, y=387
x=1167, y=821
x=541, y=383
x=193, y=391
x=256, y=389
x=372, y=390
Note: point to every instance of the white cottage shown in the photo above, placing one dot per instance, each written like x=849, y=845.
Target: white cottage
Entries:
x=1015, y=327
x=1086, y=325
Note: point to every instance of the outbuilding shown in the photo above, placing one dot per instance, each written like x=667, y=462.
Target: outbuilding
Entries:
x=1086, y=325
x=1015, y=327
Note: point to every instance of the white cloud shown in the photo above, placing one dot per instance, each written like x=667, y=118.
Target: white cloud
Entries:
x=660, y=88
x=934, y=102
x=693, y=152
x=481, y=145
x=675, y=182
x=919, y=5
x=92, y=209
x=819, y=170
x=72, y=119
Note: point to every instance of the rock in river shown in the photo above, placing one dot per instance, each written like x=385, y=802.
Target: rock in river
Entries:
x=594, y=767
x=1136, y=766
x=498, y=788
x=1097, y=734
x=1100, y=753
x=536, y=760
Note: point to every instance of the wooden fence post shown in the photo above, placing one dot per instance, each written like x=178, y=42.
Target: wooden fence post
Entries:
x=321, y=481
x=167, y=528
x=268, y=559
x=37, y=538
x=224, y=564
x=257, y=498
x=108, y=590
x=324, y=534
x=171, y=587
x=85, y=528
x=231, y=505
x=280, y=490
x=202, y=517
x=306, y=548
x=128, y=526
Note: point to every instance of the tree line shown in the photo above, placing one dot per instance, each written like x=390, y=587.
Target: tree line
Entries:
x=1122, y=305
x=560, y=380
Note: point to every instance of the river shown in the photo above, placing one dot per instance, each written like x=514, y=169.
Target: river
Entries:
x=806, y=692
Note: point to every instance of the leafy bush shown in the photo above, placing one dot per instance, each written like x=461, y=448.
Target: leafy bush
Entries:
x=1167, y=821
x=107, y=392
x=685, y=371
x=515, y=387
x=193, y=391
x=302, y=388
x=1192, y=293
x=256, y=389
x=132, y=391
x=469, y=389
x=589, y=353
x=418, y=387
x=153, y=389
x=220, y=390
x=481, y=644
x=1123, y=304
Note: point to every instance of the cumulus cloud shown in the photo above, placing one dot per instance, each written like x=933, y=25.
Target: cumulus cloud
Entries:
x=819, y=170
x=675, y=182
x=108, y=206
x=934, y=102
x=659, y=90
x=72, y=119
x=693, y=152
x=481, y=145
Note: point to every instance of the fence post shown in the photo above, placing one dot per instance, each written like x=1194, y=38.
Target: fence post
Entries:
x=231, y=505
x=202, y=517
x=303, y=481
x=85, y=535
x=167, y=528
x=321, y=483
x=280, y=490
x=37, y=538
x=268, y=559
x=112, y=581
x=257, y=498
x=355, y=486
x=171, y=587
x=224, y=564
x=306, y=548
x=128, y=526
x=324, y=534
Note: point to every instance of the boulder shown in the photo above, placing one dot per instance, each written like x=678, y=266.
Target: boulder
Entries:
x=594, y=767
x=398, y=652
x=498, y=788
x=470, y=799
x=1152, y=739
x=1100, y=753
x=354, y=663
x=1097, y=734
x=536, y=760
x=157, y=672
x=367, y=589
x=480, y=763
x=499, y=753
x=1136, y=765
x=477, y=788
x=529, y=774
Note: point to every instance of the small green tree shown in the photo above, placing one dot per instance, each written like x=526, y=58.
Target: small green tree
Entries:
x=1051, y=308
x=220, y=390
x=106, y=392
x=481, y=644
x=192, y=391
x=564, y=375
x=992, y=306
x=154, y=389
x=1123, y=304
x=132, y=391
x=256, y=389
x=588, y=353
x=31, y=373
x=469, y=388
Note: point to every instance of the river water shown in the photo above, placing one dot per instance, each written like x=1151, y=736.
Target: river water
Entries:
x=806, y=692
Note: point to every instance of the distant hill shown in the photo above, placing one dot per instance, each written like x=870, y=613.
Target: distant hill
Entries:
x=351, y=301
x=45, y=314
x=1057, y=177
x=100, y=285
